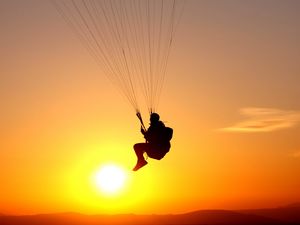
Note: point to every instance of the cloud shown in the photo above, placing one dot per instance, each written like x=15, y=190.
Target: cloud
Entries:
x=264, y=120
x=296, y=154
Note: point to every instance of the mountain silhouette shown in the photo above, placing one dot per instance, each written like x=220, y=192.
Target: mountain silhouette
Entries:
x=289, y=213
x=275, y=216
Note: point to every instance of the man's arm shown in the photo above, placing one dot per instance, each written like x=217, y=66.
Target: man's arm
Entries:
x=143, y=131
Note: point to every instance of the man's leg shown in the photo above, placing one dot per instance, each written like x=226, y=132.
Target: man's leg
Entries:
x=139, y=149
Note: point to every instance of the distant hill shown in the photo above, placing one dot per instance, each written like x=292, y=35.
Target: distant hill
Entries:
x=275, y=216
x=293, y=205
x=289, y=213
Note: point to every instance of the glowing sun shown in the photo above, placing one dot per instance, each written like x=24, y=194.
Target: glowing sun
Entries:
x=110, y=179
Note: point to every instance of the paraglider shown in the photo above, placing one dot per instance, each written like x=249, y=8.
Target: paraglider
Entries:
x=130, y=40
x=157, y=144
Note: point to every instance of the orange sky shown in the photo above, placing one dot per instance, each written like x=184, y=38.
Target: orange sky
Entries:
x=232, y=97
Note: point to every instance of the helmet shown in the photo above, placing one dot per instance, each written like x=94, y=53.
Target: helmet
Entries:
x=154, y=117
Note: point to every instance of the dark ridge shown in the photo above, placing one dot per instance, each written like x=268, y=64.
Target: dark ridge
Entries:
x=289, y=213
x=292, y=205
x=275, y=216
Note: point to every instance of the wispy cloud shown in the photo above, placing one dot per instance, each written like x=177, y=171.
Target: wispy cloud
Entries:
x=264, y=120
x=296, y=154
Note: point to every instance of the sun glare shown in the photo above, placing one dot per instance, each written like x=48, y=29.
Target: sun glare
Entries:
x=110, y=179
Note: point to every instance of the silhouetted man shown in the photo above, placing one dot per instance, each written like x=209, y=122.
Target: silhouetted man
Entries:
x=157, y=142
